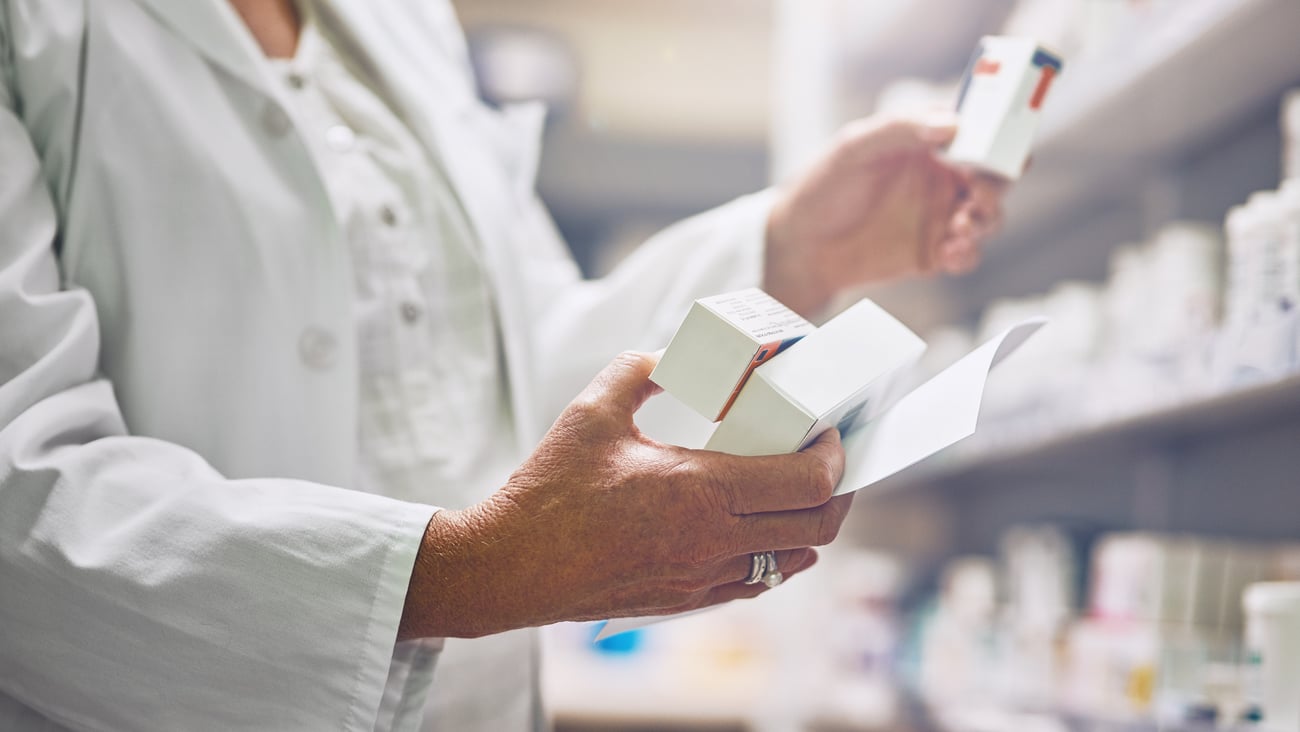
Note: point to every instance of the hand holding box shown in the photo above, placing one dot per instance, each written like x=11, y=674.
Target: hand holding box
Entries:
x=783, y=393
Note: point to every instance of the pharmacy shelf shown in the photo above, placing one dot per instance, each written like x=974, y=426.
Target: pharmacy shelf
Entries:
x=1079, y=723
x=1073, y=722
x=1250, y=408
x=1168, y=86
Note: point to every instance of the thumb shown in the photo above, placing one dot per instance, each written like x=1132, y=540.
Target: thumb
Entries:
x=874, y=137
x=625, y=383
x=829, y=449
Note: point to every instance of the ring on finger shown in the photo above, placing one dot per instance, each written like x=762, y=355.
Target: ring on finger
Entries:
x=772, y=576
x=758, y=566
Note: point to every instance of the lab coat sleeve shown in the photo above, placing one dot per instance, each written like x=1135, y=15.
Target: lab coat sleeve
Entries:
x=584, y=323
x=139, y=589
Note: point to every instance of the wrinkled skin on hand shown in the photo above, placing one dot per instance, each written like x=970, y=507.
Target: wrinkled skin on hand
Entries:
x=879, y=204
x=602, y=521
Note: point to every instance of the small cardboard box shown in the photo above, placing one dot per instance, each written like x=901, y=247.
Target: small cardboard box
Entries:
x=838, y=376
x=1000, y=103
x=720, y=343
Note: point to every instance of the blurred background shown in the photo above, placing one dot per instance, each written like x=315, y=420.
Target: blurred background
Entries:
x=1119, y=546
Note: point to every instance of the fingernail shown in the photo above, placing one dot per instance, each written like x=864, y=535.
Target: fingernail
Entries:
x=940, y=118
x=938, y=128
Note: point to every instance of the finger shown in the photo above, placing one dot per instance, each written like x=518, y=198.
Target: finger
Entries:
x=793, y=529
x=962, y=226
x=960, y=256
x=781, y=482
x=623, y=385
x=742, y=591
x=873, y=137
x=984, y=200
x=975, y=221
x=737, y=568
x=987, y=223
x=989, y=183
x=955, y=246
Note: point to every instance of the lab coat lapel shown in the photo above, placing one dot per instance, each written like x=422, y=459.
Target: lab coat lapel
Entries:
x=213, y=28
x=420, y=69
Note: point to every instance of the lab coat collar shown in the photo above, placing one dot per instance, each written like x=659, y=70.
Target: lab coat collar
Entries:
x=216, y=31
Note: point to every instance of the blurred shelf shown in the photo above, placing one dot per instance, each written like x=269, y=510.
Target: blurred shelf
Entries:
x=1081, y=723
x=882, y=40
x=992, y=719
x=589, y=171
x=1169, y=85
x=707, y=674
x=1243, y=409
x=656, y=688
x=629, y=695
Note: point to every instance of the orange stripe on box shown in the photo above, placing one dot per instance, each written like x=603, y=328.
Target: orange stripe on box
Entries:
x=1044, y=82
x=765, y=352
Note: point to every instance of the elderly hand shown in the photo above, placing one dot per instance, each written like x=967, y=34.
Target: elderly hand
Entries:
x=602, y=522
x=879, y=204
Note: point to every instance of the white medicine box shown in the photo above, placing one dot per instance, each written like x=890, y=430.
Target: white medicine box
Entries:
x=720, y=343
x=1000, y=102
x=842, y=375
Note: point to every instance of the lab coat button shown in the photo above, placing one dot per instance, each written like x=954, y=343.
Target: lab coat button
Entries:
x=388, y=216
x=340, y=138
x=296, y=80
x=411, y=311
x=275, y=121
x=317, y=348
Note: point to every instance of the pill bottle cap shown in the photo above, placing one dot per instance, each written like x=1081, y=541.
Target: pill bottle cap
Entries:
x=1238, y=219
x=1273, y=598
x=1263, y=204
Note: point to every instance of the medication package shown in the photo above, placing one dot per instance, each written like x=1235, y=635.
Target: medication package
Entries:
x=1000, y=102
x=776, y=382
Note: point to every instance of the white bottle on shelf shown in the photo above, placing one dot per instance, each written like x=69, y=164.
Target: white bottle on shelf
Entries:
x=1291, y=134
x=1288, y=214
x=1188, y=264
x=1263, y=295
x=1277, y=267
x=1273, y=649
x=1244, y=275
x=1288, y=205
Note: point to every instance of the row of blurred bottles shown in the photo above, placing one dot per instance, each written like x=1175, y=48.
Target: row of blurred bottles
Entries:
x=820, y=654
x=1173, y=631
x=1182, y=317
x=1063, y=629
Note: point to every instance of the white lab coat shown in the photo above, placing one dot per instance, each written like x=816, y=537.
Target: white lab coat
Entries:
x=178, y=383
